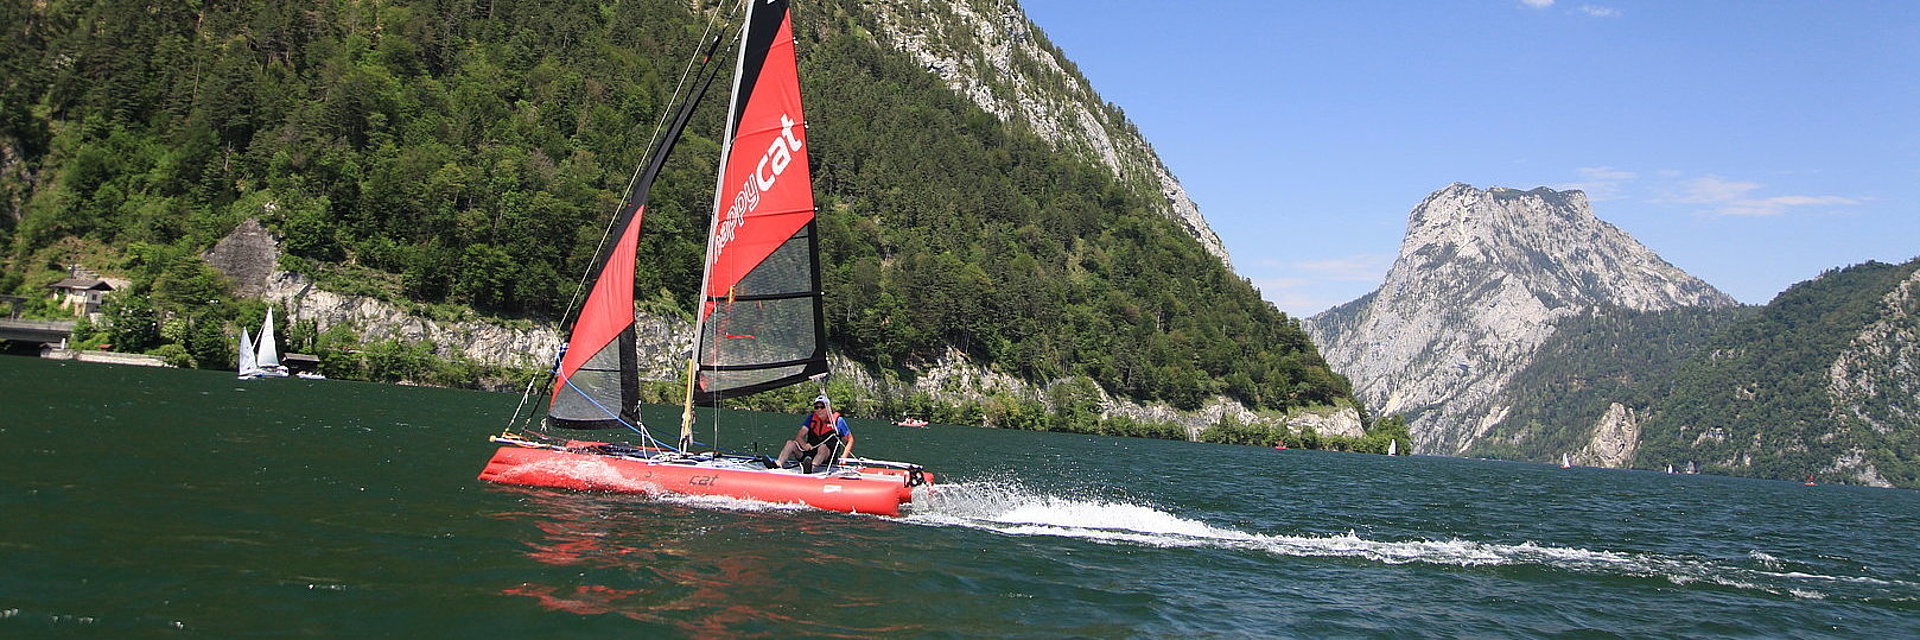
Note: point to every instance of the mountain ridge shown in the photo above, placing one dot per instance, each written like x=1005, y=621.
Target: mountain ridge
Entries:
x=1480, y=281
x=1004, y=63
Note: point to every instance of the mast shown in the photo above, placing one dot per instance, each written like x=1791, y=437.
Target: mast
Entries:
x=706, y=268
x=760, y=322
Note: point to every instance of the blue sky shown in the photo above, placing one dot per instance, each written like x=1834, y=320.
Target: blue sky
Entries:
x=1753, y=144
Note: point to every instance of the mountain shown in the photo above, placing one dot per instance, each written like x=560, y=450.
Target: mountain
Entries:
x=991, y=53
x=1589, y=388
x=1821, y=381
x=458, y=160
x=1484, y=278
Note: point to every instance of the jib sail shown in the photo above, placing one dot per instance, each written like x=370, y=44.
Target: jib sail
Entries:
x=597, y=383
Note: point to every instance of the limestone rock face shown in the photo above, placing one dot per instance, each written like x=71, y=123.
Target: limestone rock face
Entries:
x=1875, y=380
x=1481, y=280
x=991, y=53
x=248, y=256
x=662, y=343
x=1616, y=438
x=1873, y=383
x=956, y=378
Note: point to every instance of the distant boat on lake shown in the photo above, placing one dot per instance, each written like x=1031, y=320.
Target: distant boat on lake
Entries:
x=249, y=368
x=260, y=359
x=1565, y=462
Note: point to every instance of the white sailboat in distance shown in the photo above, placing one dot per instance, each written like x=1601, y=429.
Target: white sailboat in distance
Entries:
x=260, y=359
x=249, y=364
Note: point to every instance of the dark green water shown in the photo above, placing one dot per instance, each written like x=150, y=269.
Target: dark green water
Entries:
x=156, y=503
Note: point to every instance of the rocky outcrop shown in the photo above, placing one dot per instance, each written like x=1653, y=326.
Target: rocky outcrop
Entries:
x=1854, y=467
x=1875, y=381
x=991, y=53
x=248, y=256
x=955, y=378
x=1615, y=441
x=16, y=181
x=662, y=341
x=1482, y=278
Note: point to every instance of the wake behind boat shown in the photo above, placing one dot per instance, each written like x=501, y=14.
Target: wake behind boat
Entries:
x=760, y=325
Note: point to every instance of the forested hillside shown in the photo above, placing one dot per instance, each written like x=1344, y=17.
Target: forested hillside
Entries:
x=1591, y=362
x=1817, y=382
x=1758, y=400
x=467, y=153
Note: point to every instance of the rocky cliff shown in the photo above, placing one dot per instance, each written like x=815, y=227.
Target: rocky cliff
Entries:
x=247, y=255
x=988, y=51
x=1873, y=385
x=1482, y=278
x=1875, y=381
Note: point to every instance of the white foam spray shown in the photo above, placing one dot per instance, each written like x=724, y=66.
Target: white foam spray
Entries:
x=1007, y=508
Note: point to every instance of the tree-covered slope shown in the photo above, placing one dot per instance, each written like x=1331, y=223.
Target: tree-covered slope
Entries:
x=468, y=153
x=1590, y=363
x=1820, y=381
x=1757, y=399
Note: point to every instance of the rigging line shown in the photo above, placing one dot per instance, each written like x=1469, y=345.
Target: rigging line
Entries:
x=616, y=418
x=661, y=123
x=700, y=310
x=533, y=380
x=654, y=141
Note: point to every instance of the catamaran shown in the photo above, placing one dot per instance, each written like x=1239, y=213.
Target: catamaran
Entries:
x=760, y=323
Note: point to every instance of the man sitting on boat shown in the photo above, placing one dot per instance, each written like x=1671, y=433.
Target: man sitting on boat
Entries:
x=823, y=437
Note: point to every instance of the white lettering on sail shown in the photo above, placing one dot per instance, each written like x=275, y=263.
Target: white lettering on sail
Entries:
x=778, y=156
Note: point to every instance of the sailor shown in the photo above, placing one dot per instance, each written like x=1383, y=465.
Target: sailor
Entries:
x=823, y=437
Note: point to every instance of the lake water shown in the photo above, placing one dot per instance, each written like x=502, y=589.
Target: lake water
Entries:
x=161, y=503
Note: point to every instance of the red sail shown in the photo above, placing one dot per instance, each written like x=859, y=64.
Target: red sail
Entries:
x=767, y=189
x=609, y=308
x=762, y=266
x=589, y=389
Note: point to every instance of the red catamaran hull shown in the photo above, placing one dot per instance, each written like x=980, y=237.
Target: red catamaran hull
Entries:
x=881, y=494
